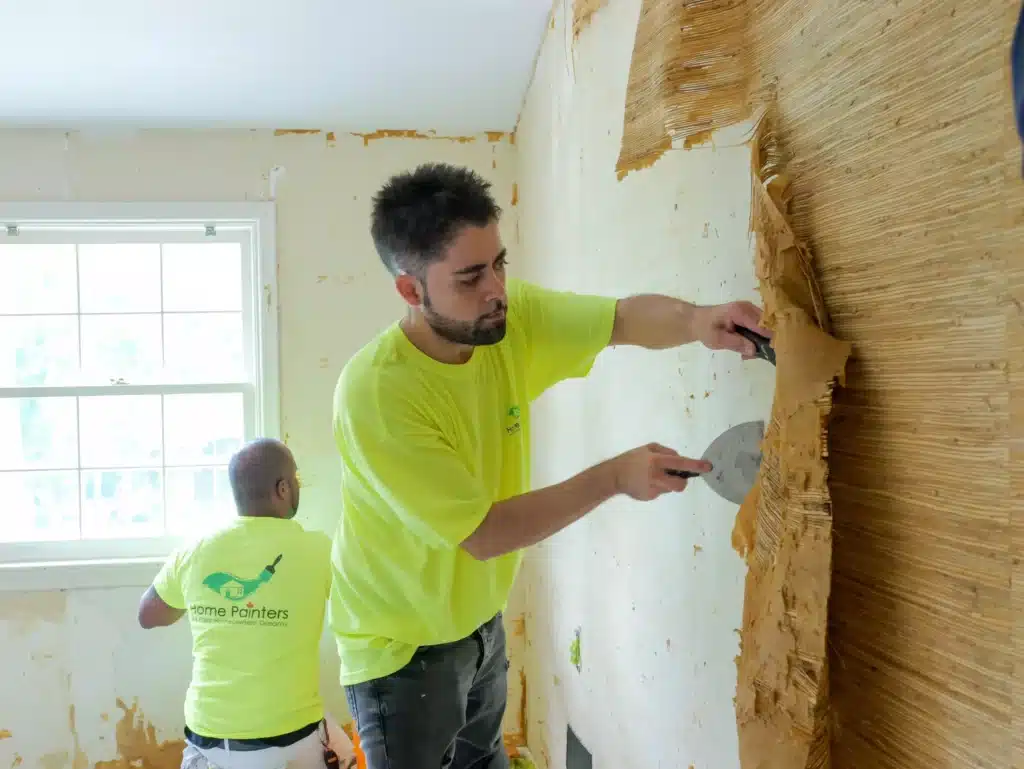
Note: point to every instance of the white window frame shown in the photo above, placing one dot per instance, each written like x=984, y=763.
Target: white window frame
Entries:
x=111, y=563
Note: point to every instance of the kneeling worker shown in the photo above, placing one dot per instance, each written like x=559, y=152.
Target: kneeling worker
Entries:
x=255, y=593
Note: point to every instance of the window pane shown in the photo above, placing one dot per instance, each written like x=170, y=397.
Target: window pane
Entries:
x=198, y=500
x=121, y=277
x=204, y=347
x=38, y=506
x=120, y=430
x=38, y=350
x=38, y=279
x=202, y=276
x=38, y=433
x=122, y=503
x=120, y=347
x=203, y=429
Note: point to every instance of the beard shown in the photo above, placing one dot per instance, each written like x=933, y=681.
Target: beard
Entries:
x=478, y=333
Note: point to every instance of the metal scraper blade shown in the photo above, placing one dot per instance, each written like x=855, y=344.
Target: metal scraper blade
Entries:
x=735, y=456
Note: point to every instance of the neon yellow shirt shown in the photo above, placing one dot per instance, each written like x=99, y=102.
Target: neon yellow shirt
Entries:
x=255, y=592
x=426, y=449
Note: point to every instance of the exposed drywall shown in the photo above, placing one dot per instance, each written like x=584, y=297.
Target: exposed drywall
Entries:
x=897, y=119
x=655, y=589
x=82, y=649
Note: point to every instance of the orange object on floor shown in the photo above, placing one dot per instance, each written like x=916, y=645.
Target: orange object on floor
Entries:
x=354, y=736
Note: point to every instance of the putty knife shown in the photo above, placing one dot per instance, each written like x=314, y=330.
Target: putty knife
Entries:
x=735, y=458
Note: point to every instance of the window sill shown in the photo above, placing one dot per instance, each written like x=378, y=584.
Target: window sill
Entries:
x=78, y=575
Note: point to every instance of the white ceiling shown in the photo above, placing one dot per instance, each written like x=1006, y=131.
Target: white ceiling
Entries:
x=456, y=66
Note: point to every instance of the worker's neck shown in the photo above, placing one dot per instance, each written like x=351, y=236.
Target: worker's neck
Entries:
x=432, y=344
x=258, y=513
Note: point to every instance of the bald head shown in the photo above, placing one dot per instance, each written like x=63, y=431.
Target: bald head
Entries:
x=263, y=479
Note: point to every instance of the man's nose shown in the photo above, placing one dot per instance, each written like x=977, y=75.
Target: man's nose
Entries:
x=494, y=288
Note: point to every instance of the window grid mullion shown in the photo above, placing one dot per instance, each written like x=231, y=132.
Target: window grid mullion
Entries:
x=78, y=400
x=163, y=398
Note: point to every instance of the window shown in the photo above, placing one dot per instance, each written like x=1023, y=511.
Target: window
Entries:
x=138, y=351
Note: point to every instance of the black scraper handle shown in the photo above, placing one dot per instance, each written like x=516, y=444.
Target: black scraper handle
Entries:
x=762, y=344
x=683, y=473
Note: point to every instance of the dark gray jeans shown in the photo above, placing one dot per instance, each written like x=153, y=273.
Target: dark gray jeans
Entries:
x=441, y=711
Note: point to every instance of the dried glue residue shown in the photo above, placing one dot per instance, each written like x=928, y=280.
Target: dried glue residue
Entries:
x=696, y=139
x=515, y=194
x=5, y=734
x=524, y=723
x=689, y=75
x=296, y=131
x=78, y=759
x=784, y=527
x=137, y=745
x=389, y=133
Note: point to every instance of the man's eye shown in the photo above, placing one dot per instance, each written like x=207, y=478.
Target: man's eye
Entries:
x=471, y=281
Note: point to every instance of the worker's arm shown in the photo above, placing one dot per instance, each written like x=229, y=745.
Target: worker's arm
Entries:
x=659, y=322
x=163, y=603
x=527, y=519
x=565, y=331
x=155, y=612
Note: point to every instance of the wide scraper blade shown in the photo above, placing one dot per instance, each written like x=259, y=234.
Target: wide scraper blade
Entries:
x=735, y=456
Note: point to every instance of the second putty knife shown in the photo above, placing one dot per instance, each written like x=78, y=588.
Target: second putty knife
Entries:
x=735, y=458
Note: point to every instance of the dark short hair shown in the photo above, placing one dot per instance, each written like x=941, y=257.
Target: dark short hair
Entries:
x=417, y=214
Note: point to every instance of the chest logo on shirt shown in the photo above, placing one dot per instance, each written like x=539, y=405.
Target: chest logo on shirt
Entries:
x=512, y=424
x=233, y=588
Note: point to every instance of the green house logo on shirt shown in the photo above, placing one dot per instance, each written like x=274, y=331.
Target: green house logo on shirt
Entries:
x=233, y=588
x=513, y=416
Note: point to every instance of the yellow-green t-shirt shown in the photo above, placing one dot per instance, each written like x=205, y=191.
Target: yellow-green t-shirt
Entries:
x=255, y=593
x=426, y=449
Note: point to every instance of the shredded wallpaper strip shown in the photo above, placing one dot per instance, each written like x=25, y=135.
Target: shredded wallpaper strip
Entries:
x=785, y=526
x=582, y=12
x=690, y=74
x=897, y=120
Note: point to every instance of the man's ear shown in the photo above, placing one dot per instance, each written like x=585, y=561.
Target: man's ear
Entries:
x=410, y=289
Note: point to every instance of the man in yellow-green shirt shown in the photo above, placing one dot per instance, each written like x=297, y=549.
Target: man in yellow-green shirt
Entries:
x=255, y=593
x=432, y=422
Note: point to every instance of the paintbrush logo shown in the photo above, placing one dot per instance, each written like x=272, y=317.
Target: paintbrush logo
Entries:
x=233, y=588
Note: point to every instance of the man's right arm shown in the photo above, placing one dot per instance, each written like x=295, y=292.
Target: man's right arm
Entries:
x=163, y=603
x=527, y=519
x=404, y=461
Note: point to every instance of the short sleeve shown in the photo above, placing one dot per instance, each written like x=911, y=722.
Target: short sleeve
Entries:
x=398, y=463
x=322, y=552
x=564, y=332
x=168, y=583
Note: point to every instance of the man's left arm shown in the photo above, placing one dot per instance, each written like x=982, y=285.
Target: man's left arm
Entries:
x=565, y=331
x=658, y=322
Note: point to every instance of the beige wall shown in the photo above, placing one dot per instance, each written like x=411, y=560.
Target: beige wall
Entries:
x=78, y=651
